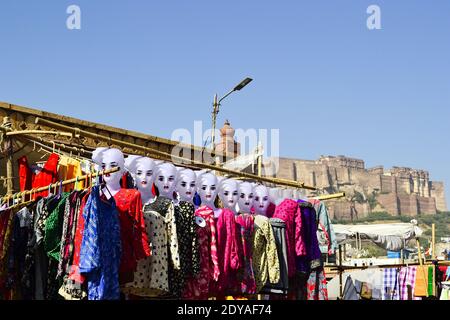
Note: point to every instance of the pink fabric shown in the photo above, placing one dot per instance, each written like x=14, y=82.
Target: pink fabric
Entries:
x=289, y=212
x=247, y=279
x=198, y=287
x=229, y=251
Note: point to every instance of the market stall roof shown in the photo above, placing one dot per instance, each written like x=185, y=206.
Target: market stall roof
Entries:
x=392, y=236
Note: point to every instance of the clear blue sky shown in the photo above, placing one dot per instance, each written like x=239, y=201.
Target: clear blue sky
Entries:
x=331, y=85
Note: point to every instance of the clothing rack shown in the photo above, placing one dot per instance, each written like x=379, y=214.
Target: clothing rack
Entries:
x=61, y=183
x=168, y=156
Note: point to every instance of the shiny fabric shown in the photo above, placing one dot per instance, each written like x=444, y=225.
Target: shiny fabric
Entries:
x=101, y=248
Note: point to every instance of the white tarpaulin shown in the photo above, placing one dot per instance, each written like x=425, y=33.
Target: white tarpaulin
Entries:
x=242, y=162
x=392, y=236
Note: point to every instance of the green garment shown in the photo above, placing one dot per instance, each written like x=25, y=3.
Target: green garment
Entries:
x=266, y=266
x=54, y=228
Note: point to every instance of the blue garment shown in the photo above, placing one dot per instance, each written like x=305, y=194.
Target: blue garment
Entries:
x=312, y=260
x=101, y=247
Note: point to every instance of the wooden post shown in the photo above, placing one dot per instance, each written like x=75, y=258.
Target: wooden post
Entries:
x=433, y=242
x=419, y=252
x=341, y=289
x=8, y=146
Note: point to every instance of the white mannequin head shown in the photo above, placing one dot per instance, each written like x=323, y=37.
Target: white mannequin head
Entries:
x=246, y=197
x=207, y=185
x=106, y=159
x=166, y=179
x=142, y=169
x=262, y=199
x=229, y=193
x=186, y=184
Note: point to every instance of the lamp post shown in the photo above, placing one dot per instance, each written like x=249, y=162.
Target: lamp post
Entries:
x=216, y=106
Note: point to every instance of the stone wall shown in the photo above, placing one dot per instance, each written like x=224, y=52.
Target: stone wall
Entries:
x=437, y=191
x=398, y=191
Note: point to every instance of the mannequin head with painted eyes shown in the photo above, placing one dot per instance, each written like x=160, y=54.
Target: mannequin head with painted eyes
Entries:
x=109, y=158
x=186, y=184
x=229, y=193
x=262, y=199
x=142, y=169
x=166, y=179
x=246, y=197
x=207, y=185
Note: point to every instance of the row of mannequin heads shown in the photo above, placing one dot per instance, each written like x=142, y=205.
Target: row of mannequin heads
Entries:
x=240, y=197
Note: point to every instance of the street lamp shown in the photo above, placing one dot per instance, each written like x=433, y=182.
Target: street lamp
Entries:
x=216, y=105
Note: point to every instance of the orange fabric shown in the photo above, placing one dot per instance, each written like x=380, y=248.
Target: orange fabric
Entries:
x=421, y=286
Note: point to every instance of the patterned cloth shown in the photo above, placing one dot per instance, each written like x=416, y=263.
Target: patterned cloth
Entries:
x=247, y=278
x=391, y=287
x=54, y=227
x=266, y=265
x=407, y=278
x=151, y=278
x=198, y=287
x=289, y=212
x=73, y=287
x=101, y=248
x=317, y=286
x=68, y=234
x=188, y=248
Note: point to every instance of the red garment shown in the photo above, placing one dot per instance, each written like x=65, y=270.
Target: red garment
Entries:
x=271, y=210
x=230, y=253
x=246, y=223
x=133, y=234
x=198, y=288
x=289, y=212
x=74, y=273
x=47, y=175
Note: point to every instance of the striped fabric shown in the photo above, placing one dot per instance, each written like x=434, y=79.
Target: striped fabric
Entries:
x=407, y=277
x=391, y=284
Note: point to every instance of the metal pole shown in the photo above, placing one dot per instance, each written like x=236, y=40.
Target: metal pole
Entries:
x=259, y=160
x=214, y=118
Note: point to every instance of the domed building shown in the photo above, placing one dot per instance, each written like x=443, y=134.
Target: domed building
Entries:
x=228, y=147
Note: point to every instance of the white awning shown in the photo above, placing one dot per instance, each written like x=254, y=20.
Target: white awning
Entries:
x=392, y=236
